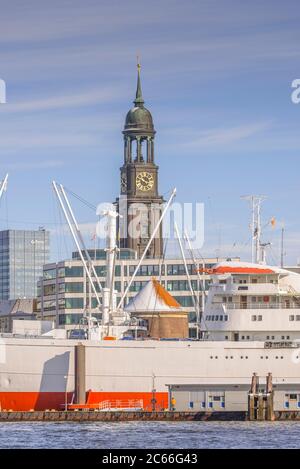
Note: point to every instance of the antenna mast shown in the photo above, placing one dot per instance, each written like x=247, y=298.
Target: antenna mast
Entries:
x=282, y=247
x=256, y=229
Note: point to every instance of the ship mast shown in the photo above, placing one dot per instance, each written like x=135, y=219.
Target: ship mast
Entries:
x=109, y=292
x=77, y=237
x=201, y=279
x=257, y=248
x=194, y=297
x=282, y=248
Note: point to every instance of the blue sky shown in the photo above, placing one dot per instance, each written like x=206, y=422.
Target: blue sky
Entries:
x=216, y=76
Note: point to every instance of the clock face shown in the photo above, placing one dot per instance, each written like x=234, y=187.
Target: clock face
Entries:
x=123, y=183
x=144, y=181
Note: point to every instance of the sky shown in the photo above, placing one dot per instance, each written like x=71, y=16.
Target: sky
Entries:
x=217, y=78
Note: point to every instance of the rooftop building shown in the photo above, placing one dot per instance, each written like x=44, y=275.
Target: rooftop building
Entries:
x=22, y=256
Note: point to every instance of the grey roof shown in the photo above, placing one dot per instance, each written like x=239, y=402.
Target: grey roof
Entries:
x=17, y=307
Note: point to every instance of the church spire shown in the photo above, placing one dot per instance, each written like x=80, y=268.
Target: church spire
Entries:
x=139, y=101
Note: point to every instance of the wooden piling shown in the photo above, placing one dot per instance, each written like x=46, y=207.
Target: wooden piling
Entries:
x=261, y=404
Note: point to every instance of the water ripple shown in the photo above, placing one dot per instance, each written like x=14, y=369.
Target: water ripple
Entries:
x=101, y=435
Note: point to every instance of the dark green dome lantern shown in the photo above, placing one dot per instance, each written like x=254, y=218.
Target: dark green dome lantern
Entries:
x=139, y=129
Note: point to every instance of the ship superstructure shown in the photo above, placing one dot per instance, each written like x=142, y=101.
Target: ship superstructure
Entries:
x=249, y=302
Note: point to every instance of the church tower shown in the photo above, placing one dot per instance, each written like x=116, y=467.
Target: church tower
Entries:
x=139, y=204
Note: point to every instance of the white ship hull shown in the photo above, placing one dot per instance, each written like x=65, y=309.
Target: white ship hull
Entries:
x=40, y=373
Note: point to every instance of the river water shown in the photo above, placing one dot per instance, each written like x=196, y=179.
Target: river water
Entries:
x=149, y=435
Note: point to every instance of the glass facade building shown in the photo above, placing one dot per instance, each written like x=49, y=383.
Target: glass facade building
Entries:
x=22, y=256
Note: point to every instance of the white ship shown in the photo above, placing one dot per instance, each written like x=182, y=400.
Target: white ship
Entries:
x=251, y=323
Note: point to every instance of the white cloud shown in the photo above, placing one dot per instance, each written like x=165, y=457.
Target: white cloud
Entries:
x=190, y=138
x=78, y=99
x=224, y=136
x=30, y=165
x=19, y=140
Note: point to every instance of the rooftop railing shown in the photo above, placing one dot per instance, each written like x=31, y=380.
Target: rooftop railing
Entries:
x=228, y=306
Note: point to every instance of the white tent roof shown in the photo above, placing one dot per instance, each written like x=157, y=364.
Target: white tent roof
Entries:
x=153, y=298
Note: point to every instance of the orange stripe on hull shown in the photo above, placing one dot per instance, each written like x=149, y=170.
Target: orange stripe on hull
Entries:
x=33, y=400
x=24, y=401
x=160, y=397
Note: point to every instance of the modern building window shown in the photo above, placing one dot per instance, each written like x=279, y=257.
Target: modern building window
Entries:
x=69, y=319
x=61, y=272
x=73, y=303
x=74, y=287
x=49, y=274
x=145, y=270
x=96, y=285
x=94, y=303
x=49, y=289
x=100, y=270
x=180, y=285
x=179, y=269
x=74, y=271
x=186, y=301
x=61, y=287
x=137, y=286
x=49, y=305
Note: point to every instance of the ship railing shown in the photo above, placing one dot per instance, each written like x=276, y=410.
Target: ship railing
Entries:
x=12, y=335
x=227, y=306
x=119, y=404
x=115, y=405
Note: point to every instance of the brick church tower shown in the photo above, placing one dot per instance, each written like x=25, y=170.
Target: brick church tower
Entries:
x=139, y=203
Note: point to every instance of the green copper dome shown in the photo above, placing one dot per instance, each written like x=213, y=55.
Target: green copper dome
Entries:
x=139, y=118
